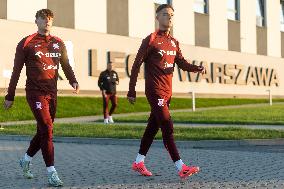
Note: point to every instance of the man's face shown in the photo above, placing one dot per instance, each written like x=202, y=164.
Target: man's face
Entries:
x=109, y=66
x=44, y=23
x=165, y=17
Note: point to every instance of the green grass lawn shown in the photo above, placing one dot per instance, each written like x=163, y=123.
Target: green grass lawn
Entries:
x=85, y=106
x=136, y=132
x=273, y=115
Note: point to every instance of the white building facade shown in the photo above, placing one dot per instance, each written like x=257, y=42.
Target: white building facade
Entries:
x=240, y=42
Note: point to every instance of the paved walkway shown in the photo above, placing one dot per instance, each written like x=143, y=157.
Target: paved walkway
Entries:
x=108, y=166
x=89, y=119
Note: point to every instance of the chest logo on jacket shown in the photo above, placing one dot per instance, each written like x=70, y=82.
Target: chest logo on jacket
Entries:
x=169, y=53
x=49, y=67
x=55, y=46
x=48, y=55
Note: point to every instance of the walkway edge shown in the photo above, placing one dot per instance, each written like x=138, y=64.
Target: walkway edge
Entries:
x=157, y=143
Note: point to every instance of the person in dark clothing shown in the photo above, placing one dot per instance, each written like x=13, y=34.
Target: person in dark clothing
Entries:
x=107, y=83
x=160, y=52
x=42, y=54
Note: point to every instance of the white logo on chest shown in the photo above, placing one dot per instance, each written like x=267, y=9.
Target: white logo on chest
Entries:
x=173, y=43
x=48, y=55
x=168, y=65
x=169, y=53
x=49, y=67
x=55, y=46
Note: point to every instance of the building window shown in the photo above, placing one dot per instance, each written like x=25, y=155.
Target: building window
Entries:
x=201, y=6
x=233, y=8
x=282, y=15
x=260, y=13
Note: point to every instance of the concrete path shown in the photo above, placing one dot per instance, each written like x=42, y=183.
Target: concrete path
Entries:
x=88, y=166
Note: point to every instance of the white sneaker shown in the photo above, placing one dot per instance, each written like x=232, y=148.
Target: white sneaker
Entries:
x=53, y=179
x=110, y=120
x=25, y=165
x=106, y=121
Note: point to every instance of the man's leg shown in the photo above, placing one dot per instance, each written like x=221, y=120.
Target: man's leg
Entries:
x=113, y=99
x=160, y=108
x=146, y=141
x=41, y=110
x=35, y=142
x=149, y=135
x=52, y=112
x=32, y=150
x=162, y=115
x=105, y=107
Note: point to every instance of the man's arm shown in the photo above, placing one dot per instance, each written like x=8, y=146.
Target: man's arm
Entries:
x=18, y=66
x=100, y=81
x=184, y=65
x=140, y=57
x=117, y=78
x=67, y=69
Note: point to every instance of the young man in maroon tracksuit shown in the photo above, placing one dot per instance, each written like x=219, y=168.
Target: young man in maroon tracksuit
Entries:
x=160, y=51
x=41, y=53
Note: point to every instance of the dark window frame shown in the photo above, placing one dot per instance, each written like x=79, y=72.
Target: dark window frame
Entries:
x=262, y=4
x=205, y=7
x=237, y=11
x=282, y=11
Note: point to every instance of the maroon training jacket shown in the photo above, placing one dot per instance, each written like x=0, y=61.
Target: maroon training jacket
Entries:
x=160, y=57
x=41, y=56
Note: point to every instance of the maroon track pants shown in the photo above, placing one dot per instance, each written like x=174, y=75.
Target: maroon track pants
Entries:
x=44, y=109
x=106, y=99
x=159, y=118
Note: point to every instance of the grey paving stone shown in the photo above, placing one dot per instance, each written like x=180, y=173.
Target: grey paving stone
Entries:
x=109, y=166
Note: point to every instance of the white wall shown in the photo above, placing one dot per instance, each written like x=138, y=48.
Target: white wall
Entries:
x=24, y=10
x=248, y=26
x=273, y=29
x=218, y=24
x=91, y=15
x=141, y=18
x=184, y=29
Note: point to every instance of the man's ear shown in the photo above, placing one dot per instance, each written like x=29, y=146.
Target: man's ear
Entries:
x=157, y=15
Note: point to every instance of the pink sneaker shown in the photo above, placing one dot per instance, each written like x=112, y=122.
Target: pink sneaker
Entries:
x=187, y=171
x=140, y=167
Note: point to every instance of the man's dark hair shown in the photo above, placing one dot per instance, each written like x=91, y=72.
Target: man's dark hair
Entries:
x=164, y=6
x=44, y=13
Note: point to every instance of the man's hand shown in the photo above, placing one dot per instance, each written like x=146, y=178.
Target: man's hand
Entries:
x=104, y=93
x=7, y=104
x=201, y=70
x=131, y=99
x=76, y=88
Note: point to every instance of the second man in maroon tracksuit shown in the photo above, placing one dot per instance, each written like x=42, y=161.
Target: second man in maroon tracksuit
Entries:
x=42, y=54
x=160, y=52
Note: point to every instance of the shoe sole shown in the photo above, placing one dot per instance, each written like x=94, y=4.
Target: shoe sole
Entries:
x=141, y=173
x=186, y=176
x=51, y=185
